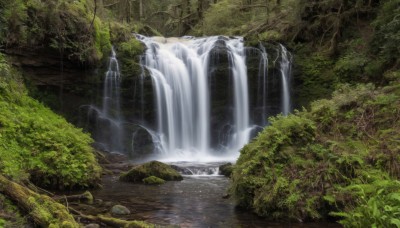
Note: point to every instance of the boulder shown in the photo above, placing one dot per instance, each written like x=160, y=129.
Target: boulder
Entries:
x=152, y=180
x=226, y=169
x=120, y=210
x=153, y=168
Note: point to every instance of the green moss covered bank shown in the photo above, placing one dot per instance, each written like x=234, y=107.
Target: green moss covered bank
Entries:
x=38, y=145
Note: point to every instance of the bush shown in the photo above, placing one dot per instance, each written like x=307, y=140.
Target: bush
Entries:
x=338, y=159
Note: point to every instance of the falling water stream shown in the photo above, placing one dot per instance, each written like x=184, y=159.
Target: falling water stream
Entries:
x=180, y=69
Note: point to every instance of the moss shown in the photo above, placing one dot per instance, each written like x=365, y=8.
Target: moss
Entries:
x=226, y=169
x=131, y=48
x=120, y=32
x=122, y=223
x=128, y=54
x=153, y=168
x=37, y=144
x=10, y=215
x=42, y=209
x=153, y=180
x=339, y=158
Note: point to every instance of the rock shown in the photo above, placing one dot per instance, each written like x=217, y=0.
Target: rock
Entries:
x=153, y=168
x=120, y=210
x=226, y=196
x=226, y=169
x=99, y=201
x=153, y=180
x=108, y=204
x=92, y=225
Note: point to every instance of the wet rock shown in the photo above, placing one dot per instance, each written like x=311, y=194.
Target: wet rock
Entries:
x=99, y=201
x=120, y=210
x=108, y=204
x=152, y=180
x=226, y=196
x=226, y=169
x=153, y=168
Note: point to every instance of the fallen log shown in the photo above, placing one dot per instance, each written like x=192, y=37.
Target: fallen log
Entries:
x=113, y=222
x=85, y=197
x=43, y=210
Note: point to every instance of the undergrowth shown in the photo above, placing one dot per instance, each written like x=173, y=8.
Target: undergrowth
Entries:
x=340, y=158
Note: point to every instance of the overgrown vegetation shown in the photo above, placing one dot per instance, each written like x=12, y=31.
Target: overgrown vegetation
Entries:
x=340, y=158
x=69, y=28
x=38, y=145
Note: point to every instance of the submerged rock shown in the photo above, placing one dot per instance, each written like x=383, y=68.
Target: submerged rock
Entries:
x=120, y=210
x=153, y=180
x=226, y=169
x=153, y=168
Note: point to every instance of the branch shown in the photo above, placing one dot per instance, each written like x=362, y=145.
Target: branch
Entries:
x=94, y=14
x=112, y=4
x=252, y=6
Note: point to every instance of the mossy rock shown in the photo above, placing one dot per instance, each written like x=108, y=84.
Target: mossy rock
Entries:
x=226, y=169
x=153, y=168
x=152, y=180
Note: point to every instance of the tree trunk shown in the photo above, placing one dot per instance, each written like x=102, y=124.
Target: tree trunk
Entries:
x=43, y=210
x=141, y=11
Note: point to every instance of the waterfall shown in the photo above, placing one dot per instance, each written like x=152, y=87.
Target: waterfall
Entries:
x=285, y=70
x=107, y=128
x=179, y=69
x=211, y=95
x=263, y=84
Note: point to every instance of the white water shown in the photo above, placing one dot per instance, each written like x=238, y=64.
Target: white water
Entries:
x=181, y=73
x=179, y=69
x=108, y=130
x=263, y=83
x=285, y=69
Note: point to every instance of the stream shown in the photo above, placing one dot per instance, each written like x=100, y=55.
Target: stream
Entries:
x=197, y=201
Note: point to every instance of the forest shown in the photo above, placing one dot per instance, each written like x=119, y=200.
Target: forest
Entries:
x=199, y=113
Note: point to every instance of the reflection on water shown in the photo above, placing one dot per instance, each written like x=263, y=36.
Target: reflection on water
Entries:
x=197, y=201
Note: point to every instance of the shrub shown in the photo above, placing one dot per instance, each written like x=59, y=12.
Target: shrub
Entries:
x=340, y=158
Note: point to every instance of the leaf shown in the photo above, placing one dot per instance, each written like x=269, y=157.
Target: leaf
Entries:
x=395, y=222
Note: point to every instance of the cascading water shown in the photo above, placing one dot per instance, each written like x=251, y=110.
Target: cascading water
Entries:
x=211, y=95
x=285, y=70
x=108, y=129
x=179, y=70
x=262, y=84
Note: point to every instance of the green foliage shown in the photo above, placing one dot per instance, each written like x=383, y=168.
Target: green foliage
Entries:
x=129, y=53
x=314, y=70
x=37, y=144
x=215, y=19
x=131, y=48
x=269, y=36
x=12, y=216
x=68, y=27
x=387, y=35
x=378, y=205
x=339, y=158
x=350, y=66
